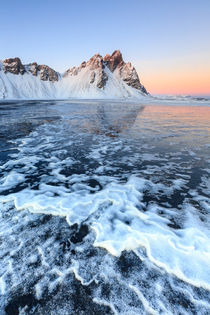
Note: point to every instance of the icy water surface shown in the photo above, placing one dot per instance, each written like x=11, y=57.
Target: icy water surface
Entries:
x=104, y=208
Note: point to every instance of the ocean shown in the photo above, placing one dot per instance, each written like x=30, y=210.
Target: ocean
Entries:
x=104, y=207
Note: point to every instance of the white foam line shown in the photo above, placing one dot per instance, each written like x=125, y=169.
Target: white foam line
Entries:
x=43, y=260
x=2, y=285
x=74, y=270
x=144, y=302
x=190, y=296
x=105, y=303
x=58, y=272
x=38, y=290
x=179, y=274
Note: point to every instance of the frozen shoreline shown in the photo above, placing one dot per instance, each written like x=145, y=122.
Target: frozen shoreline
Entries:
x=105, y=197
x=147, y=100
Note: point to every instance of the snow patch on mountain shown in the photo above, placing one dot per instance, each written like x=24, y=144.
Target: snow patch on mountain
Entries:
x=25, y=86
x=108, y=77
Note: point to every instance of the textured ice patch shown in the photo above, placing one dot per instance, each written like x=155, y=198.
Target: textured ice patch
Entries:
x=137, y=238
x=116, y=215
x=13, y=178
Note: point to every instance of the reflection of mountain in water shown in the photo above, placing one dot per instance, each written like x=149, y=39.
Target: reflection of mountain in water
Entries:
x=112, y=119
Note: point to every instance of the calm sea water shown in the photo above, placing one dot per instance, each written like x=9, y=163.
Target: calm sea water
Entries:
x=104, y=208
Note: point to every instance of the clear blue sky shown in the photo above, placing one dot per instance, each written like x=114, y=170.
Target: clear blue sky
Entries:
x=152, y=34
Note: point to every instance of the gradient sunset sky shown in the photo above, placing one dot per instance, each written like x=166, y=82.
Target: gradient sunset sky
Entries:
x=167, y=41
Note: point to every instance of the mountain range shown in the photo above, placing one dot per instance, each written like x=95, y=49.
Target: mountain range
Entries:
x=100, y=77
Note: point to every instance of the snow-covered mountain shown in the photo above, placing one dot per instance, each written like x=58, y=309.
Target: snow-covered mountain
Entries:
x=108, y=77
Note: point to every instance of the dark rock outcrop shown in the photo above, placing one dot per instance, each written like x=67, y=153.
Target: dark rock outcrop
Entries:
x=129, y=75
x=45, y=73
x=75, y=70
x=96, y=67
x=115, y=64
x=13, y=65
x=126, y=71
x=96, y=63
x=92, y=77
x=101, y=79
x=33, y=68
x=113, y=61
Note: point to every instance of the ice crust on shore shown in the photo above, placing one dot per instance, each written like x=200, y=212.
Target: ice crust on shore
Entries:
x=81, y=234
x=115, y=213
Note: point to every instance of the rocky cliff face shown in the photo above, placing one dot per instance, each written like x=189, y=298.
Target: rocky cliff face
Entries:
x=97, y=73
x=100, y=77
x=95, y=66
x=115, y=63
x=126, y=71
x=15, y=66
x=45, y=73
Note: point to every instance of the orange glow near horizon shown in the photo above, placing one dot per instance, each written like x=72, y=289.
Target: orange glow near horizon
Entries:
x=176, y=77
x=178, y=83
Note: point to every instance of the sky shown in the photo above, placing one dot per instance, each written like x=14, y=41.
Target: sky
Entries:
x=167, y=41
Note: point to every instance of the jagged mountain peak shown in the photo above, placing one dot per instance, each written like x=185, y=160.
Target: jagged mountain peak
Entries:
x=114, y=60
x=15, y=66
x=98, y=73
x=99, y=77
